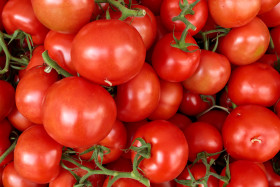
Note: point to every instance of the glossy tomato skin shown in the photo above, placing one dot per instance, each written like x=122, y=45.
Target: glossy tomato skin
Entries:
x=250, y=83
x=65, y=16
x=275, y=36
x=211, y=76
x=215, y=118
x=2, y=3
x=34, y=84
x=64, y=179
x=262, y=129
x=7, y=99
x=67, y=106
x=18, y=120
x=269, y=59
x=108, y=52
x=36, y=145
x=11, y=178
x=124, y=182
x=59, y=49
x=18, y=14
x=139, y=97
x=255, y=176
x=169, y=150
x=272, y=177
x=171, y=95
x=173, y=64
x=180, y=120
x=232, y=13
x=201, y=137
x=245, y=44
x=170, y=9
x=271, y=18
x=267, y=5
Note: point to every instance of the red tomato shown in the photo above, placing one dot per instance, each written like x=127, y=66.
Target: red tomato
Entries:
x=1, y=172
x=18, y=120
x=59, y=49
x=153, y=5
x=225, y=101
x=246, y=44
x=198, y=171
x=215, y=118
x=31, y=91
x=267, y=5
x=78, y=113
x=115, y=141
x=171, y=95
x=64, y=179
x=255, y=176
x=2, y=3
x=171, y=8
x=11, y=178
x=250, y=129
x=7, y=99
x=108, y=52
x=272, y=177
x=250, y=83
x=269, y=59
x=272, y=17
x=18, y=14
x=173, y=64
x=171, y=183
x=139, y=97
x=37, y=156
x=275, y=36
x=5, y=130
x=201, y=137
x=211, y=75
x=122, y=164
x=180, y=121
x=233, y=13
x=277, y=107
x=169, y=150
x=65, y=16
x=124, y=182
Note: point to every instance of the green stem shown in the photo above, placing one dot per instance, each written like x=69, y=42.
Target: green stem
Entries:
x=51, y=63
x=8, y=151
x=7, y=54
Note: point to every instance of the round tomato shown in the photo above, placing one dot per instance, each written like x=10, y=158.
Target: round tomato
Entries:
x=269, y=59
x=2, y=3
x=180, y=121
x=153, y=5
x=275, y=36
x=123, y=182
x=171, y=183
x=7, y=99
x=64, y=179
x=108, y=52
x=267, y=5
x=272, y=177
x=272, y=17
x=18, y=120
x=215, y=118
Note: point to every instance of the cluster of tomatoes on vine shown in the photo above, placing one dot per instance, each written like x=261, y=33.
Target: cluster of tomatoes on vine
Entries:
x=140, y=93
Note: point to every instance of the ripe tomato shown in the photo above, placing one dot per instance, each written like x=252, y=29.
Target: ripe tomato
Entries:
x=11, y=178
x=173, y=64
x=269, y=59
x=267, y=5
x=64, y=179
x=211, y=75
x=153, y=5
x=250, y=83
x=246, y=44
x=171, y=183
x=275, y=36
x=180, y=121
x=124, y=182
x=7, y=99
x=139, y=97
x=18, y=14
x=169, y=150
x=171, y=8
x=233, y=13
x=272, y=177
x=255, y=176
x=215, y=118
x=108, y=52
x=37, y=155
x=65, y=16
x=171, y=95
x=272, y=17
x=85, y=110
x=2, y=3
x=249, y=130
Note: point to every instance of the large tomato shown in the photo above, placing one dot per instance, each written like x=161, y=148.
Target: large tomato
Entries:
x=272, y=17
x=37, y=155
x=267, y=5
x=246, y=44
x=66, y=16
x=108, y=52
x=249, y=130
x=233, y=13
x=169, y=150
x=64, y=179
x=272, y=177
x=78, y=113
x=7, y=99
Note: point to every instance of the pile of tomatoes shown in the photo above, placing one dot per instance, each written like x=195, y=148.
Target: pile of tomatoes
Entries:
x=159, y=93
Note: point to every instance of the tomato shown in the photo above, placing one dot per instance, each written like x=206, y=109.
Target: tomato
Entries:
x=85, y=110
x=246, y=44
x=7, y=99
x=11, y=178
x=153, y=5
x=232, y=13
x=122, y=164
x=215, y=118
x=124, y=182
x=267, y=5
x=18, y=14
x=171, y=95
x=59, y=49
x=5, y=130
x=198, y=171
x=277, y=107
x=272, y=177
x=64, y=179
x=269, y=59
x=180, y=121
x=275, y=36
x=224, y=100
x=201, y=137
x=272, y=17
x=248, y=85
x=171, y=8
x=1, y=172
x=139, y=97
x=65, y=16
x=169, y=150
x=171, y=183
x=115, y=141
x=173, y=64
x=255, y=176
x=37, y=155
x=108, y=52
x=31, y=91
x=2, y=4
x=211, y=75
x=250, y=129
